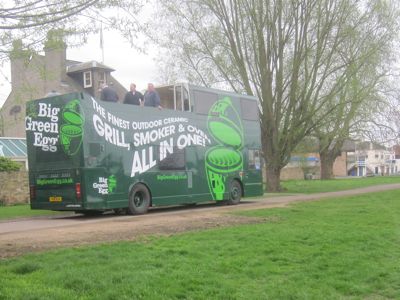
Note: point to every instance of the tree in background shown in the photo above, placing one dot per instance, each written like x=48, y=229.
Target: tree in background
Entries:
x=290, y=54
x=356, y=104
x=384, y=127
x=369, y=55
x=30, y=20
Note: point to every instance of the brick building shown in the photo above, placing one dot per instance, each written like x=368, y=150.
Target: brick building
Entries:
x=33, y=76
x=302, y=164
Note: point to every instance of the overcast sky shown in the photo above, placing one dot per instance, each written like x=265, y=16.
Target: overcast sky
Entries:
x=130, y=65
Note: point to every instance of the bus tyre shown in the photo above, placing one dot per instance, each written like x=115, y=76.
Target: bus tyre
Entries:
x=235, y=193
x=139, y=200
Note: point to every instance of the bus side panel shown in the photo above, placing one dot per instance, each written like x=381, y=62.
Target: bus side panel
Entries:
x=95, y=182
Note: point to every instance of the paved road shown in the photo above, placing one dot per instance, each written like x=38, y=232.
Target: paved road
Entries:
x=36, y=234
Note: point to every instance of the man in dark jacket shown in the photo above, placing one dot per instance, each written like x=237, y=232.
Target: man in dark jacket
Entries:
x=151, y=97
x=133, y=96
x=108, y=94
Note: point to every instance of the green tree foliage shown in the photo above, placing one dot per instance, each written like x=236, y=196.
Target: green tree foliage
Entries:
x=7, y=164
x=294, y=56
x=370, y=56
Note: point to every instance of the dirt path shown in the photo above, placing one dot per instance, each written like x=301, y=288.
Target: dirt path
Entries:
x=39, y=234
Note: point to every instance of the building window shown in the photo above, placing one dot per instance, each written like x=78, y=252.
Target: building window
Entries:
x=102, y=77
x=87, y=79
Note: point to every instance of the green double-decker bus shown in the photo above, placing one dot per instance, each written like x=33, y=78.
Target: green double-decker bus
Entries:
x=92, y=156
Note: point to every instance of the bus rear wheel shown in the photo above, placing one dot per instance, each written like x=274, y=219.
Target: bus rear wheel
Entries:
x=235, y=193
x=139, y=200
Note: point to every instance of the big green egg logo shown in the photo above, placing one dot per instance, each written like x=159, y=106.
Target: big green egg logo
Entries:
x=225, y=159
x=72, y=129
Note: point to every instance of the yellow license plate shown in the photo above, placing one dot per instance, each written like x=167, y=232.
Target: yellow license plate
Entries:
x=55, y=199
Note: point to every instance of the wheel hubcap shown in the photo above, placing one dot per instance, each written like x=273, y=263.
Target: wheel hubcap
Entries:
x=235, y=193
x=138, y=199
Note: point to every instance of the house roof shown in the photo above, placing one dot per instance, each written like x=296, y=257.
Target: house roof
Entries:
x=370, y=146
x=349, y=146
x=79, y=67
x=12, y=147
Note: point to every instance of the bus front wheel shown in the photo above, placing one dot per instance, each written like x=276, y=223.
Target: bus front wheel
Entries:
x=235, y=192
x=139, y=200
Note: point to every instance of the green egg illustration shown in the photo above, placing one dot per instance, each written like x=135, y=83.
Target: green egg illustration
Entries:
x=217, y=184
x=71, y=113
x=220, y=162
x=73, y=117
x=72, y=129
x=225, y=159
x=225, y=133
x=112, y=183
x=225, y=125
x=71, y=138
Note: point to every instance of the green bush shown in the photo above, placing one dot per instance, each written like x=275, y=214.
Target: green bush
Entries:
x=7, y=164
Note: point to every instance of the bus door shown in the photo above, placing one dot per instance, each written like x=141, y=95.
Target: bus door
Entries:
x=105, y=181
x=197, y=179
x=253, y=173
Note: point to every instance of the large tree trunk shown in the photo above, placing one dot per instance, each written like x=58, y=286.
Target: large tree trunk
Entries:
x=273, y=179
x=327, y=159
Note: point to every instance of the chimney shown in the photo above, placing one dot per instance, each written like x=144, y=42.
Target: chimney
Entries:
x=19, y=60
x=55, y=59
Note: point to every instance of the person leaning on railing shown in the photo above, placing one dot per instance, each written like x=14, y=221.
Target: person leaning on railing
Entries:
x=151, y=97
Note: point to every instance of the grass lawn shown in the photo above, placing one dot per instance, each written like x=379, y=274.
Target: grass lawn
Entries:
x=320, y=186
x=20, y=211
x=333, y=249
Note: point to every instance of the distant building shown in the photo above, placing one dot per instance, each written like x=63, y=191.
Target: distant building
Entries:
x=36, y=76
x=308, y=165
x=396, y=150
x=372, y=159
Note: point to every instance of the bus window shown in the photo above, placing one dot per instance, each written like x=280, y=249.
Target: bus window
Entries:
x=182, y=101
x=174, y=97
x=254, y=159
x=204, y=101
x=186, y=101
x=178, y=98
x=173, y=161
x=249, y=109
x=166, y=96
